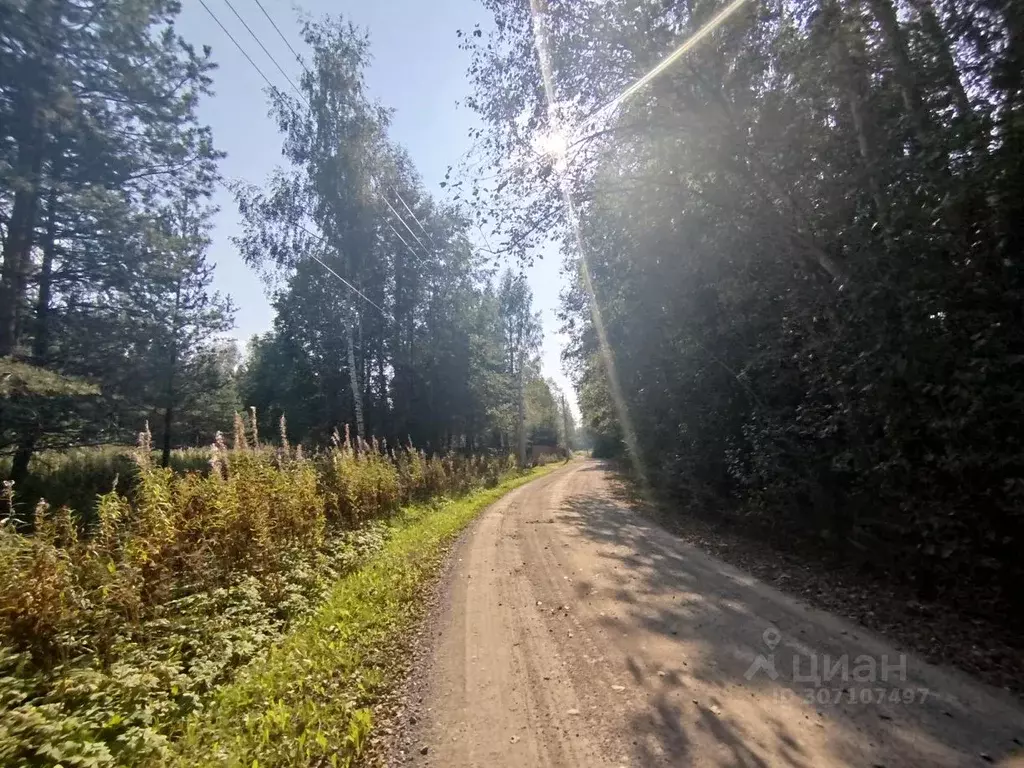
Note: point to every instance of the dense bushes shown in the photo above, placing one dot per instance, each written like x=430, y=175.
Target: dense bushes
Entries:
x=110, y=635
x=798, y=252
x=77, y=477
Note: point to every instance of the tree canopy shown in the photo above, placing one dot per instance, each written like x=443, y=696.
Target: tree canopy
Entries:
x=100, y=149
x=798, y=258
x=387, y=316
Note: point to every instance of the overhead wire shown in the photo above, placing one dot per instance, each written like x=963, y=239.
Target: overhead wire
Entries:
x=404, y=241
x=401, y=199
x=404, y=224
x=413, y=215
x=274, y=88
x=238, y=46
x=281, y=35
x=264, y=48
x=359, y=293
x=280, y=69
x=324, y=240
x=406, y=205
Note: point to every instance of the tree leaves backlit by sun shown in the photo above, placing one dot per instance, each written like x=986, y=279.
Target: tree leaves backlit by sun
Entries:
x=804, y=239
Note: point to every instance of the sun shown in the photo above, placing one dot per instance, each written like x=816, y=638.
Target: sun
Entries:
x=554, y=145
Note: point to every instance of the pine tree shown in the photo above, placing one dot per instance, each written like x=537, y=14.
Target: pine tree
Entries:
x=181, y=318
x=99, y=131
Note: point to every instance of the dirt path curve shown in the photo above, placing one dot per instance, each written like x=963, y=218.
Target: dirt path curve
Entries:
x=573, y=632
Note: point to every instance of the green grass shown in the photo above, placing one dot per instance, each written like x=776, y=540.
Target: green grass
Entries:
x=309, y=702
x=77, y=477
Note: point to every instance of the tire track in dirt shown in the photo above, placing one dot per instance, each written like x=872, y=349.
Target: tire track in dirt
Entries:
x=573, y=632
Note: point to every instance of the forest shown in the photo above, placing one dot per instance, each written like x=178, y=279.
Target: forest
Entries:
x=793, y=307
x=387, y=316
x=796, y=262
x=175, y=503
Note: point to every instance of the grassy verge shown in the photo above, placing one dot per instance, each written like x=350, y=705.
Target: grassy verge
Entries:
x=308, y=702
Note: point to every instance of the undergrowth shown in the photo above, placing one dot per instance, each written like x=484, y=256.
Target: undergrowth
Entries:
x=112, y=635
x=77, y=477
x=309, y=702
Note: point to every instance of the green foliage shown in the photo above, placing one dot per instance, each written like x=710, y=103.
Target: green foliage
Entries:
x=111, y=636
x=104, y=291
x=432, y=349
x=800, y=256
x=20, y=379
x=309, y=701
x=543, y=421
x=77, y=477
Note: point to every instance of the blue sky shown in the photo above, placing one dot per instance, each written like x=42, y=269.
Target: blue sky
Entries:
x=417, y=69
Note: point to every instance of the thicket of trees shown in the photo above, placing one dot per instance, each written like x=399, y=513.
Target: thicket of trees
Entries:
x=425, y=342
x=804, y=242
x=106, y=314
x=387, y=318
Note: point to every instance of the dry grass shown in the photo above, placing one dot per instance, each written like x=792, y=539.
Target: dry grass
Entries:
x=109, y=636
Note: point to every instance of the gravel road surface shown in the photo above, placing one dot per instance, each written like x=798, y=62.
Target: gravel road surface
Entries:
x=573, y=632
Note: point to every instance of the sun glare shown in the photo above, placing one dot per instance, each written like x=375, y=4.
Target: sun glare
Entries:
x=553, y=144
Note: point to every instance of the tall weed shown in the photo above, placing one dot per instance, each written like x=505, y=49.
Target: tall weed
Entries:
x=112, y=629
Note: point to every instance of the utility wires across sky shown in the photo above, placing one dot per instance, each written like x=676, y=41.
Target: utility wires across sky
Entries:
x=281, y=34
x=237, y=45
x=264, y=48
x=325, y=242
x=299, y=93
x=302, y=64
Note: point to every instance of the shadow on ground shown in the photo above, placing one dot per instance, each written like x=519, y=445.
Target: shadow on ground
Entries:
x=717, y=621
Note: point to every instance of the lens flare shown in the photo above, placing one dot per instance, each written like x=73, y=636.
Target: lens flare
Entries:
x=607, y=358
x=555, y=144
x=682, y=50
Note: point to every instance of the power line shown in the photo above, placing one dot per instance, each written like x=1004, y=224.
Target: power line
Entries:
x=399, y=216
x=404, y=224
x=238, y=46
x=303, y=65
x=414, y=217
x=261, y=45
x=281, y=35
x=275, y=89
x=323, y=240
x=404, y=241
x=359, y=293
x=371, y=302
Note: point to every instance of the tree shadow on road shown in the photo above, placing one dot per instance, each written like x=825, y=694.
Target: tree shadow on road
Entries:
x=717, y=621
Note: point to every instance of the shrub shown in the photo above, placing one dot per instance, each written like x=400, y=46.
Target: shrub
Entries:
x=112, y=630
x=359, y=484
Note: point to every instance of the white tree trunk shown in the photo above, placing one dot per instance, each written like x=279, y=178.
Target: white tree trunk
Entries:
x=357, y=392
x=522, y=415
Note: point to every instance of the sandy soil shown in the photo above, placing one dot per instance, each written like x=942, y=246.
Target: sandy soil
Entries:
x=570, y=631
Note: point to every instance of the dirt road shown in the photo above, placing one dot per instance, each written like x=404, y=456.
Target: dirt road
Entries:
x=572, y=632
